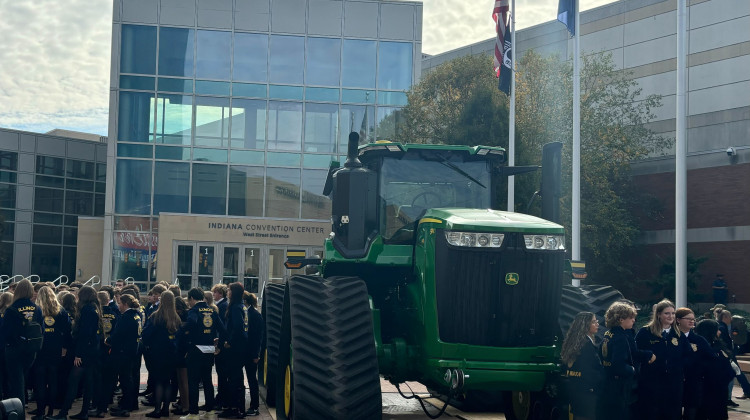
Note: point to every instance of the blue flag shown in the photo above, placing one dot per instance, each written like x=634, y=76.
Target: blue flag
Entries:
x=566, y=13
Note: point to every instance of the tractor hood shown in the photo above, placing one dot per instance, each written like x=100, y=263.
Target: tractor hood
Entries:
x=487, y=220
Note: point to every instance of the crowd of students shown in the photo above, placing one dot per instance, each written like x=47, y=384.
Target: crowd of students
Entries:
x=672, y=368
x=90, y=342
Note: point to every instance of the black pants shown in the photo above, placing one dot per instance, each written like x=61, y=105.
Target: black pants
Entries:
x=17, y=365
x=199, y=370
x=236, y=382
x=223, y=394
x=109, y=380
x=251, y=370
x=45, y=383
x=124, y=369
x=84, y=373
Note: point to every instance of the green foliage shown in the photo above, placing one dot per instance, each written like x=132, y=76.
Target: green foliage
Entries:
x=458, y=103
x=664, y=284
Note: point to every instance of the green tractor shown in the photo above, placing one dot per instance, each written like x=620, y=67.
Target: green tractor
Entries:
x=422, y=279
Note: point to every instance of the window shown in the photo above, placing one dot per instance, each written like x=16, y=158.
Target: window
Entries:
x=287, y=59
x=246, y=191
x=321, y=124
x=209, y=189
x=46, y=199
x=314, y=204
x=282, y=192
x=356, y=118
x=284, y=126
x=213, y=55
x=80, y=169
x=80, y=203
x=323, y=61
x=47, y=234
x=394, y=65
x=171, y=187
x=212, y=122
x=176, y=52
x=248, y=124
x=358, y=64
x=8, y=160
x=133, y=187
x=138, y=49
x=49, y=165
x=46, y=260
x=135, y=121
x=250, y=57
x=174, y=116
x=389, y=123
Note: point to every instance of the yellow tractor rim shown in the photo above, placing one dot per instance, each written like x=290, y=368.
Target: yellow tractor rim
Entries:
x=287, y=390
x=265, y=367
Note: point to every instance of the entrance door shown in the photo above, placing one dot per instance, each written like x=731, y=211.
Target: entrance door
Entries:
x=185, y=270
x=231, y=264
x=251, y=269
x=206, y=261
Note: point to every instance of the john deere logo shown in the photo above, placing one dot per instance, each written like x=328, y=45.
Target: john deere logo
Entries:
x=511, y=279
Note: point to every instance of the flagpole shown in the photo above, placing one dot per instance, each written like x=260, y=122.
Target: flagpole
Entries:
x=512, y=114
x=576, y=205
x=680, y=161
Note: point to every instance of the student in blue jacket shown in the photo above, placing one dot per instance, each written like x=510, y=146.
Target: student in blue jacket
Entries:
x=582, y=366
x=18, y=359
x=57, y=330
x=87, y=330
x=123, y=343
x=235, y=349
x=256, y=331
x=660, y=384
x=159, y=339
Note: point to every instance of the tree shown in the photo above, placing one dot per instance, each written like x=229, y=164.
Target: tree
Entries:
x=458, y=103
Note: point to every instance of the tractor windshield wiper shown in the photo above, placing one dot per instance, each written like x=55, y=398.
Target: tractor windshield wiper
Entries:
x=447, y=163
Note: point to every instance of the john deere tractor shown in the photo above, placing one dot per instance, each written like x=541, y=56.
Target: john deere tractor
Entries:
x=422, y=279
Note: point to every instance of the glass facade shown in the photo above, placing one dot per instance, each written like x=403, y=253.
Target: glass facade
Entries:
x=237, y=122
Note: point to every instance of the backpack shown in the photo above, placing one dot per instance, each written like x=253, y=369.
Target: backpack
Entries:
x=31, y=335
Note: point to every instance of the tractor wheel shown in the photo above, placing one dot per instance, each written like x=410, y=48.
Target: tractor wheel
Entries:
x=328, y=367
x=517, y=405
x=273, y=300
x=591, y=298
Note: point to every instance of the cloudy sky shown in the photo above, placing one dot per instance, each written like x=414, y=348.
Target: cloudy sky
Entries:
x=55, y=54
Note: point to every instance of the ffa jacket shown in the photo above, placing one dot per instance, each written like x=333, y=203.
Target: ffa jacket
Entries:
x=126, y=335
x=586, y=373
x=256, y=331
x=201, y=327
x=222, y=305
x=109, y=320
x=616, y=356
x=56, y=332
x=237, y=327
x=159, y=341
x=670, y=354
x=14, y=317
x=696, y=363
x=86, y=335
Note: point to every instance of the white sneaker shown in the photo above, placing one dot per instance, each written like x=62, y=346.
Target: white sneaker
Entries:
x=190, y=417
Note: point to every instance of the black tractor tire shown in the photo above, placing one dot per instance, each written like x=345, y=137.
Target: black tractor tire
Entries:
x=525, y=405
x=273, y=301
x=328, y=344
x=590, y=298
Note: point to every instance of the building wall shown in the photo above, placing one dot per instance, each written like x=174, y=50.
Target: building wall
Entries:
x=46, y=183
x=641, y=37
x=90, y=238
x=236, y=108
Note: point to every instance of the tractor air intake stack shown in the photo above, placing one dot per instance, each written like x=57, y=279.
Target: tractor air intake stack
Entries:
x=551, y=174
x=354, y=212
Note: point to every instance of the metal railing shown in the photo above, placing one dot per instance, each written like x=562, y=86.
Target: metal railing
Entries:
x=93, y=281
x=129, y=280
x=33, y=278
x=10, y=280
x=63, y=279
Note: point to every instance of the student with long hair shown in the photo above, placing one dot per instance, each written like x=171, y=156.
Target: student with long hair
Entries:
x=87, y=329
x=660, y=384
x=159, y=339
x=716, y=375
x=18, y=358
x=123, y=343
x=68, y=301
x=180, y=380
x=106, y=376
x=235, y=349
x=583, y=367
x=57, y=329
x=255, y=333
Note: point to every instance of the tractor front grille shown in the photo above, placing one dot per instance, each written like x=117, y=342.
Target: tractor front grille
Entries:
x=476, y=306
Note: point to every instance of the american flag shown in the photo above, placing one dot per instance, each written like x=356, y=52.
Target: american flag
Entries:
x=500, y=16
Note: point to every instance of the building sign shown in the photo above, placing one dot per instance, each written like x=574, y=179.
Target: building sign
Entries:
x=243, y=230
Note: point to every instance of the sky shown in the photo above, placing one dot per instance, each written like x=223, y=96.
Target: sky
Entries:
x=55, y=54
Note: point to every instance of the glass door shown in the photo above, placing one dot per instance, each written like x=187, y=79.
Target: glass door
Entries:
x=184, y=270
x=231, y=264
x=251, y=269
x=276, y=269
x=206, y=259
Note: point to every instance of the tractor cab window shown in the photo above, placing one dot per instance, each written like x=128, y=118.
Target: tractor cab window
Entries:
x=415, y=183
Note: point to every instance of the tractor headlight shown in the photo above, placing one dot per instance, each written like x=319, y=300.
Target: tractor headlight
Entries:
x=544, y=242
x=474, y=239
